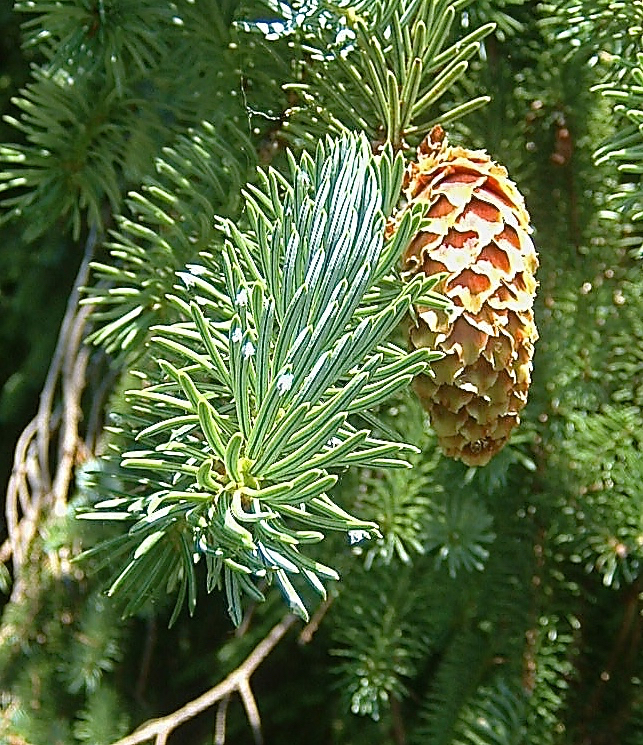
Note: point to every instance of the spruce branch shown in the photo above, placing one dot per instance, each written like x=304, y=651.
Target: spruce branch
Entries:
x=596, y=28
x=392, y=67
x=494, y=716
x=376, y=639
x=237, y=681
x=256, y=402
x=606, y=527
x=116, y=37
x=169, y=223
x=68, y=168
x=112, y=90
x=478, y=12
x=399, y=501
x=459, y=533
x=606, y=34
x=625, y=148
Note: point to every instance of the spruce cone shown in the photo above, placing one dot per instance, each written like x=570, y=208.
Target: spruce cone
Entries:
x=478, y=233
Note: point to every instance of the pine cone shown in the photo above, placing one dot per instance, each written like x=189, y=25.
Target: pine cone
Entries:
x=478, y=234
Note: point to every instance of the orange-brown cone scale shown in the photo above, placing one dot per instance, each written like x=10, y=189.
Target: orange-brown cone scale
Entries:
x=477, y=232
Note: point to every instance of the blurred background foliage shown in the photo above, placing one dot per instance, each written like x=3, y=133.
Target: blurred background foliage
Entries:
x=27, y=334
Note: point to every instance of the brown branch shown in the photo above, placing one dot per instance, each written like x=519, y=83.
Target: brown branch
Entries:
x=18, y=506
x=73, y=385
x=32, y=486
x=307, y=633
x=252, y=711
x=62, y=362
x=238, y=680
x=220, y=721
x=397, y=716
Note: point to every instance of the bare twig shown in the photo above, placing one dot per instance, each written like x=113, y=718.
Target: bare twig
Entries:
x=73, y=384
x=252, y=712
x=220, y=721
x=69, y=339
x=307, y=633
x=18, y=505
x=33, y=487
x=238, y=680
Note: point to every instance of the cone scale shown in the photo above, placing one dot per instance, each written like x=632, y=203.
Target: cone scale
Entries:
x=477, y=233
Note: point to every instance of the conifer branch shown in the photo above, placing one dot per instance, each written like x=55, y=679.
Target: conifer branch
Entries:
x=607, y=34
x=394, y=63
x=169, y=223
x=281, y=349
x=85, y=139
x=625, y=148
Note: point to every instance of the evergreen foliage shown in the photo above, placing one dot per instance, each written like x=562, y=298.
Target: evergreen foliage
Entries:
x=260, y=453
x=240, y=431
